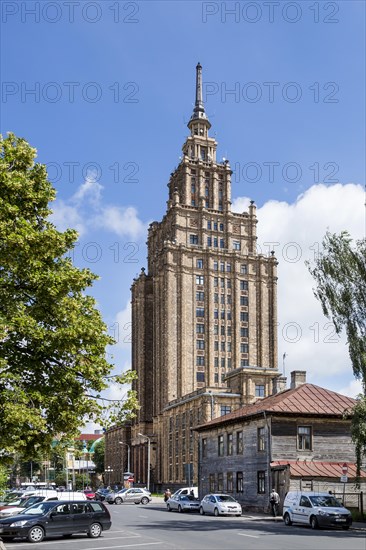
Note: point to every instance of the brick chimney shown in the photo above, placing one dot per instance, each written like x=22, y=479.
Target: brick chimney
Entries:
x=298, y=377
x=279, y=384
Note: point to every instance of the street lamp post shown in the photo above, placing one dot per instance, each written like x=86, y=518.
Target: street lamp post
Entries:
x=128, y=456
x=108, y=471
x=148, y=459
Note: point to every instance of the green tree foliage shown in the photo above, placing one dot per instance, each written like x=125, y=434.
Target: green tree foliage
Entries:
x=340, y=275
x=53, y=364
x=98, y=457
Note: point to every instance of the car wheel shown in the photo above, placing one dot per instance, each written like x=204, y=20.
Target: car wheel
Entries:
x=169, y=508
x=179, y=508
x=144, y=500
x=95, y=530
x=202, y=512
x=35, y=534
x=118, y=500
x=216, y=512
x=314, y=522
x=287, y=519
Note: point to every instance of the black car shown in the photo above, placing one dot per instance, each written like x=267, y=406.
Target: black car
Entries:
x=64, y=518
x=101, y=494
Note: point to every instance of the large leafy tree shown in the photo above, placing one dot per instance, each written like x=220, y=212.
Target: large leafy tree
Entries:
x=340, y=275
x=53, y=364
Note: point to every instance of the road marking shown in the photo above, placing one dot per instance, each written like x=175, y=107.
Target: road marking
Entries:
x=251, y=536
x=124, y=546
x=143, y=517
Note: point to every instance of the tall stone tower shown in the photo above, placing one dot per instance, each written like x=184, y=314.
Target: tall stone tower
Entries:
x=204, y=315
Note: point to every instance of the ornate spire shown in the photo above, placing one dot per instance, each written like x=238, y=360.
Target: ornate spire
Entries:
x=199, y=110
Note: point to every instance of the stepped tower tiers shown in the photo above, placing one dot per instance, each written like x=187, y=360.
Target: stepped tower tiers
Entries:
x=204, y=317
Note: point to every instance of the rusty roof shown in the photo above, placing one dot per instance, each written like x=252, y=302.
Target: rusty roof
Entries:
x=311, y=468
x=307, y=399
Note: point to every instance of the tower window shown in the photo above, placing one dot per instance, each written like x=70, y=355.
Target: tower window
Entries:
x=193, y=239
x=199, y=279
x=244, y=316
x=200, y=296
x=244, y=363
x=200, y=344
x=243, y=285
x=221, y=227
x=243, y=300
x=215, y=226
x=259, y=390
x=200, y=328
x=200, y=376
x=193, y=188
x=244, y=348
x=216, y=242
x=200, y=361
x=209, y=241
x=206, y=191
x=244, y=269
x=199, y=264
x=225, y=409
x=200, y=312
x=216, y=266
x=236, y=245
x=222, y=243
x=203, y=151
x=209, y=225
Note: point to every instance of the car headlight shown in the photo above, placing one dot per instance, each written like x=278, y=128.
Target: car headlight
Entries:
x=19, y=523
x=322, y=513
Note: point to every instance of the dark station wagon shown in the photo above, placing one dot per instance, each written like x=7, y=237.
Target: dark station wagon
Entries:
x=61, y=518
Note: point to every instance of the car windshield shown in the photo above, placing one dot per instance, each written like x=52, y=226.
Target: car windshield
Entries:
x=328, y=502
x=11, y=497
x=225, y=498
x=40, y=508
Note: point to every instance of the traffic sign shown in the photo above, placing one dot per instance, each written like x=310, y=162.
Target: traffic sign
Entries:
x=131, y=479
x=344, y=468
x=344, y=479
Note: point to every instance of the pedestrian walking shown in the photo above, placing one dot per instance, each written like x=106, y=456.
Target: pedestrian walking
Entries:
x=167, y=494
x=274, y=500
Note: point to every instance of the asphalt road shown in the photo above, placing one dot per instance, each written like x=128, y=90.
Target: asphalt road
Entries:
x=146, y=527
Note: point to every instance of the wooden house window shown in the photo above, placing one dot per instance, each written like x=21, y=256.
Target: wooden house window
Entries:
x=204, y=448
x=211, y=481
x=304, y=438
x=261, y=482
x=220, y=482
x=229, y=481
x=220, y=442
x=239, y=443
x=239, y=482
x=261, y=443
x=229, y=444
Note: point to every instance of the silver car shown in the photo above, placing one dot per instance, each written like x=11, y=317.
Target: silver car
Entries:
x=220, y=505
x=183, y=503
x=136, y=495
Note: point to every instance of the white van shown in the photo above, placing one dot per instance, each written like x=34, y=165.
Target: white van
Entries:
x=315, y=509
x=187, y=491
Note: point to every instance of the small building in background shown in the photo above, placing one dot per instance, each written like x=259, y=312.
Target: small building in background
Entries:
x=297, y=438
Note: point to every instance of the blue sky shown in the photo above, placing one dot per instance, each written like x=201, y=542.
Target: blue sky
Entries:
x=284, y=85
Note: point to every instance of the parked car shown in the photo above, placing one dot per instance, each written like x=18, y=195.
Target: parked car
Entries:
x=220, y=504
x=63, y=518
x=187, y=491
x=90, y=495
x=136, y=495
x=24, y=503
x=183, y=503
x=315, y=509
x=101, y=494
x=13, y=496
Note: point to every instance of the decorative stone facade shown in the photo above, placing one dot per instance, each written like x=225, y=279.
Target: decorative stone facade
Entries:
x=204, y=315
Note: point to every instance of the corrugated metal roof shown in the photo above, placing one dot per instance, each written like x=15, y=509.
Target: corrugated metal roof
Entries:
x=311, y=468
x=306, y=399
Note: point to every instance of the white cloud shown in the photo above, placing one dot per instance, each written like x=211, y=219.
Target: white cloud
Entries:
x=85, y=211
x=65, y=216
x=90, y=191
x=122, y=221
x=295, y=231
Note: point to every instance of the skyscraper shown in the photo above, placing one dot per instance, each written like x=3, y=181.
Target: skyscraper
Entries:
x=204, y=316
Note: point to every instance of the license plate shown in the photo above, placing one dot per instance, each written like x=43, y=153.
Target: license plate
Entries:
x=341, y=520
